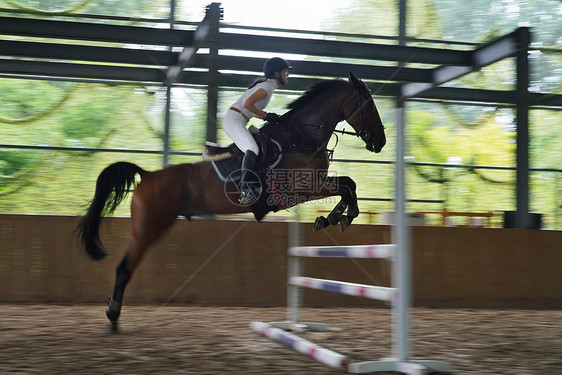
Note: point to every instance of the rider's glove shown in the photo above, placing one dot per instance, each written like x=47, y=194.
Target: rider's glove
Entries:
x=271, y=117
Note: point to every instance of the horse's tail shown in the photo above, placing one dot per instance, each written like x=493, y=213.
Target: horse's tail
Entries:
x=112, y=187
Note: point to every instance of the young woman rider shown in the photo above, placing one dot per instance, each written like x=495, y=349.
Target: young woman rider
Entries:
x=252, y=104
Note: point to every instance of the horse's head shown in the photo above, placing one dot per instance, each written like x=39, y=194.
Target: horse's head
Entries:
x=361, y=113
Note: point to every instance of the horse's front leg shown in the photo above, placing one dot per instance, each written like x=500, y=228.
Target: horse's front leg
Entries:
x=345, y=187
x=333, y=218
x=351, y=199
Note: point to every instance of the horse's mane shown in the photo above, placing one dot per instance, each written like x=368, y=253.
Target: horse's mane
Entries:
x=314, y=91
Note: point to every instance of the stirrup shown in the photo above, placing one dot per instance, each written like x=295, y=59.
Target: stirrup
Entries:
x=249, y=196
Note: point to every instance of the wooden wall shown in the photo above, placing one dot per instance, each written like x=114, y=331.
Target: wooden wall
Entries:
x=243, y=263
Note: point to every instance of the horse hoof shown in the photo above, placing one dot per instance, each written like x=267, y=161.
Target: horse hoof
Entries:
x=113, y=328
x=112, y=312
x=320, y=223
x=345, y=222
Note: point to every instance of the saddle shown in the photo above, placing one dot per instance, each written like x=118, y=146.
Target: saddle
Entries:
x=273, y=143
x=227, y=163
x=227, y=160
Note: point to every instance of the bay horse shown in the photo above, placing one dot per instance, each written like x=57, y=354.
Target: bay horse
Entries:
x=195, y=189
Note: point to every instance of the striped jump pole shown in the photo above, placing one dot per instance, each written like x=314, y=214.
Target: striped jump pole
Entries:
x=354, y=251
x=351, y=289
x=320, y=354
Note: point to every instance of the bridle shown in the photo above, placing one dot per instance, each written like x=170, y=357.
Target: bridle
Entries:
x=364, y=134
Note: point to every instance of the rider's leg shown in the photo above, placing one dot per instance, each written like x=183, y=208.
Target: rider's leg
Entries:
x=249, y=190
x=234, y=126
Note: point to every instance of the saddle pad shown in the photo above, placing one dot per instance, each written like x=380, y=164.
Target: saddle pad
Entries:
x=228, y=169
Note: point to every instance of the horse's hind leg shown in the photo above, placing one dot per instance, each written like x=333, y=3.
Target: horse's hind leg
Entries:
x=149, y=221
x=124, y=273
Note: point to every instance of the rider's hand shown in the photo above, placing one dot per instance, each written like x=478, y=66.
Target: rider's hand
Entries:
x=271, y=117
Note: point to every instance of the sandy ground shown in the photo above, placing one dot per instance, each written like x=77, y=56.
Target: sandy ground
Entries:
x=53, y=339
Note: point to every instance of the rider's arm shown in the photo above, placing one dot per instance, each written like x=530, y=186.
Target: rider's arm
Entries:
x=250, y=103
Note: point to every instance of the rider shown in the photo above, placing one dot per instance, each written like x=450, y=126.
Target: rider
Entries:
x=252, y=104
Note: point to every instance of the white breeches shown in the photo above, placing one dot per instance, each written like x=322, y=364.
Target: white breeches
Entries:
x=234, y=125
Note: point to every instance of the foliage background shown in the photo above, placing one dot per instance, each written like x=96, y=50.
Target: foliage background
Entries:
x=130, y=117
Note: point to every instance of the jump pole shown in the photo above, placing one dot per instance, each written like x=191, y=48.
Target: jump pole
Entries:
x=298, y=344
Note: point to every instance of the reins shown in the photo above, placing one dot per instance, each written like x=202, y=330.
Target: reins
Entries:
x=346, y=132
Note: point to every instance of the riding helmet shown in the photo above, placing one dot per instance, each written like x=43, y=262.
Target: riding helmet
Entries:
x=275, y=64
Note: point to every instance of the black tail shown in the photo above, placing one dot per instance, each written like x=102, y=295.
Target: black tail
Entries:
x=112, y=187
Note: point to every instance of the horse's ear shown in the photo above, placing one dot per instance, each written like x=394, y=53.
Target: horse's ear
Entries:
x=353, y=79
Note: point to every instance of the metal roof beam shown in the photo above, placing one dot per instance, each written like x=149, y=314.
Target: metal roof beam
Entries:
x=439, y=76
x=322, y=69
x=484, y=55
x=468, y=95
x=332, y=48
x=164, y=58
x=58, y=69
x=495, y=50
x=94, y=32
x=545, y=100
x=170, y=37
x=72, y=52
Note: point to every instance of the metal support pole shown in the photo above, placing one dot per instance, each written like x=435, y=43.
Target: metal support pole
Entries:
x=402, y=22
x=166, y=155
x=172, y=13
x=166, y=148
x=214, y=13
x=522, y=217
x=557, y=201
x=401, y=269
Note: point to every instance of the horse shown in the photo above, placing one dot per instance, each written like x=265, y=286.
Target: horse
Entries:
x=194, y=189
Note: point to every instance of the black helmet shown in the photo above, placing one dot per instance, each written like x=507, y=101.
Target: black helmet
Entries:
x=273, y=65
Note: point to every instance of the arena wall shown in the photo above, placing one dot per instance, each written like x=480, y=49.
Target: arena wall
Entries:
x=243, y=263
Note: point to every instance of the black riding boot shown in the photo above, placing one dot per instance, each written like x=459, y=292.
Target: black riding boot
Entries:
x=249, y=188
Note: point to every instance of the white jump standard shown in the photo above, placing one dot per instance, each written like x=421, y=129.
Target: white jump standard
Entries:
x=276, y=331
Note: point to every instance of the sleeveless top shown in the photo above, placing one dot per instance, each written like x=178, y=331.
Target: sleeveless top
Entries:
x=269, y=86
